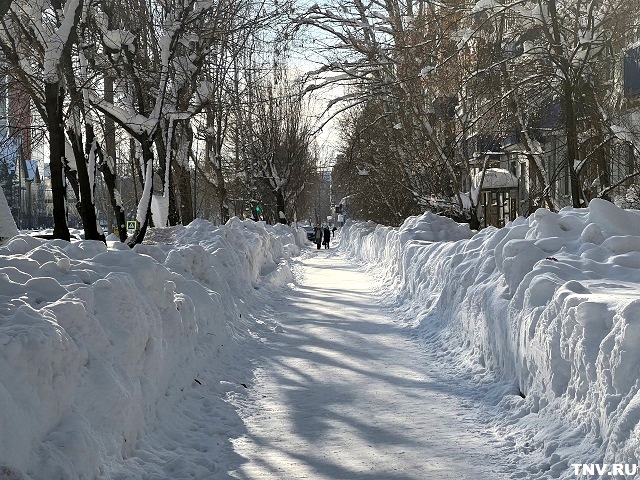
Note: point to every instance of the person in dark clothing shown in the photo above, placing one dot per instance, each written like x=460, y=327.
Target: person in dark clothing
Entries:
x=327, y=236
x=318, y=236
x=333, y=231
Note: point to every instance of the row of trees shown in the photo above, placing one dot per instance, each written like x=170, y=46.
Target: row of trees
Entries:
x=150, y=85
x=436, y=87
x=195, y=97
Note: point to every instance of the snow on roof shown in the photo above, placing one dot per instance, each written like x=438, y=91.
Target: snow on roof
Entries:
x=496, y=178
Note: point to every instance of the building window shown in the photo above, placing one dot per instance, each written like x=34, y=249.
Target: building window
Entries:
x=631, y=164
x=631, y=66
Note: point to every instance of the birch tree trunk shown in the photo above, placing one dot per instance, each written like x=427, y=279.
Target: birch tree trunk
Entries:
x=144, y=207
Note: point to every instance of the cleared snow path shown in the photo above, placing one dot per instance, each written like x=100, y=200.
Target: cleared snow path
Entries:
x=342, y=391
x=324, y=383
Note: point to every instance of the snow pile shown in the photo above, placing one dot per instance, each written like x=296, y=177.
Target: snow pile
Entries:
x=382, y=245
x=97, y=343
x=433, y=228
x=551, y=304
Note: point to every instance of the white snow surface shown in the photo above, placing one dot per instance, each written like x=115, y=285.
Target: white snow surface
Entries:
x=496, y=178
x=220, y=352
x=549, y=304
x=344, y=391
x=98, y=344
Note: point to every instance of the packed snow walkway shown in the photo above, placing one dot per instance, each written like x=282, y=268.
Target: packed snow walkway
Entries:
x=344, y=392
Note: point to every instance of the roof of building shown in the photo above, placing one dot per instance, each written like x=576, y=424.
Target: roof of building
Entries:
x=496, y=178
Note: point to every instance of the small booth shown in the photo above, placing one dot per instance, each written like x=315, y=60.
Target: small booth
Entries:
x=498, y=200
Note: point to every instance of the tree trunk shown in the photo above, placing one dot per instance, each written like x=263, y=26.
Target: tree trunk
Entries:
x=110, y=180
x=280, y=206
x=178, y=138
x=568, y=100
x=54, y=96
x=182, y=183
x=145, y=221
x=571, y=127
x=87, y=208
x=108, y=166
x=213, y=156
x=222, y=190
x=182, y=141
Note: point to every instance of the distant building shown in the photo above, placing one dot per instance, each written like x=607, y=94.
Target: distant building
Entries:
x=518, y=190
x=20, y=175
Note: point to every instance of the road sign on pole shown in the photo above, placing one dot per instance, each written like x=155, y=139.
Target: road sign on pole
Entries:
x=132, y=225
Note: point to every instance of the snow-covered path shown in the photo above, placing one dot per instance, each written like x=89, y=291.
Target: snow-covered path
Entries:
x=342, y=391
x=199, y=355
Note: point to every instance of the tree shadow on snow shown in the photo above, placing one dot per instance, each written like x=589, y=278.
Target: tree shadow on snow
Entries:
x=336, y=354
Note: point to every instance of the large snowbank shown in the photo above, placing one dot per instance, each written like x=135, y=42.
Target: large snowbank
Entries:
x=97, y=343
x=550, y=304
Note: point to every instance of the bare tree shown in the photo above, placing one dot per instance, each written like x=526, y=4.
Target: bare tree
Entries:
x=457, y=79
x=278, y=141
x=557, y=67
x=37, y=42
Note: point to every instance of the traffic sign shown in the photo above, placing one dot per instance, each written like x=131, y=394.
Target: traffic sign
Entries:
x=132, y=224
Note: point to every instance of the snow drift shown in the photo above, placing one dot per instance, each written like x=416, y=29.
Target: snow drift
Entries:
x=550, y=304
x=97, y=342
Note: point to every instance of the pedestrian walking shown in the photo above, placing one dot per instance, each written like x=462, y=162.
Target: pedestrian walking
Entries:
x=327, y=236
x=318, y=237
